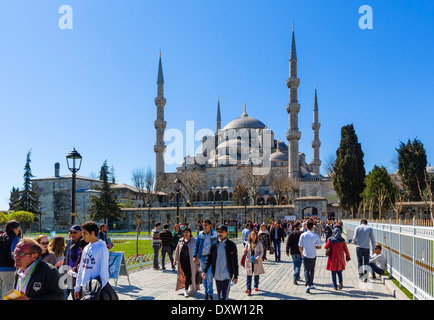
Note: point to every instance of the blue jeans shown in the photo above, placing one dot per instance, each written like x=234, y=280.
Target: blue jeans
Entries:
x=376, y=269
x=309, y=270
x=339, y=274
x=276, y=245
x=362, y=259
x=207, y=283
x=249, y=282
x=296, y=259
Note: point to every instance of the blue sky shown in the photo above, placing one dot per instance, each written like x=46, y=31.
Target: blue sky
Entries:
x=93, y=87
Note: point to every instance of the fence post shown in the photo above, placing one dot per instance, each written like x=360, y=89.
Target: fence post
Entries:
x=414, y=257
x=400, y=257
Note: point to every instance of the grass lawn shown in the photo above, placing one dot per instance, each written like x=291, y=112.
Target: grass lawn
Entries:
x=129, y=247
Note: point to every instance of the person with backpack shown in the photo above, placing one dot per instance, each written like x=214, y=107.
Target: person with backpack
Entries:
x=8, y=242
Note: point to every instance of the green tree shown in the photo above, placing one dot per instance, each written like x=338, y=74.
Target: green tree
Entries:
x=3, y=218
x=25, y=218
x=412, y=162
x=14, y=199
x=105, y=206
x=349, y=170
x=379, y=189
x=29, y=200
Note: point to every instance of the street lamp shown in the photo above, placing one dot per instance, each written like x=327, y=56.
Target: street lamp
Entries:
x=245, y=209
x=177, y=183
x=213, y=212
x=222, y=220
x=261, y=203
x=149, y=205
x=73, y=160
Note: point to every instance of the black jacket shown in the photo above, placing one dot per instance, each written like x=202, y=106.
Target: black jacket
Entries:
x=292, y=243
x=280, y=234
x=231, y=258
x=43, y=283
x=6, y=259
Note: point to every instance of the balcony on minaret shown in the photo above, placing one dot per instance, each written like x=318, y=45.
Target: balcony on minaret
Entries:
x=160, y=124
x=160, y=101
x=293, y=82
x=293, y=135
x=293, y=107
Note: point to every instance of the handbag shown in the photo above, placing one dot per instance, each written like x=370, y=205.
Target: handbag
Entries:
x=198, y=277
x=271, y=250
x=243, y=260
x=328, y=250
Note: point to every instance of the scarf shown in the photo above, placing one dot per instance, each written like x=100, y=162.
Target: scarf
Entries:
x=336, y=236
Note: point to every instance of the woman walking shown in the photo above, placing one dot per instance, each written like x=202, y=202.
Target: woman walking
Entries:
x=338, y=256
x=177, y=234
x=187, y=269
x=253, y=265
x=264, y=237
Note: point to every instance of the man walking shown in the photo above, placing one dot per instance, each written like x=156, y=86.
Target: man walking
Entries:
x=277, y=236
x=292, y=246
x=202, y=248
x=308, y=243
x=245, y=233
x=156, y=243
x=363, y=235
x=166, y=238
x=223, y=261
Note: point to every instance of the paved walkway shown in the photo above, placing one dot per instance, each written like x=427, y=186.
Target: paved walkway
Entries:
x=275, y=284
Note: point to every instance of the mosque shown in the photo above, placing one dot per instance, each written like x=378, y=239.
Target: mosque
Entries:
x=246, y=147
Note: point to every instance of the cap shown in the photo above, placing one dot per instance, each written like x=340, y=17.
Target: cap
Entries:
x=222, y=227
x=76, y=227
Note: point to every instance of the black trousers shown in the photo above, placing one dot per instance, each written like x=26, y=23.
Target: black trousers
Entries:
x=186, y=268
x=223, y=288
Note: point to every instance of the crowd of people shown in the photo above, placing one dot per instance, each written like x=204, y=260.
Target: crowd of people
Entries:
x=212, y=256
x=40, y=269
x=34, y=269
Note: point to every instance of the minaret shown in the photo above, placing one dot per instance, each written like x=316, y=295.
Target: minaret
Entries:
x=219, y=118
x=293, y=135
x=160, y=125
x=316, y=143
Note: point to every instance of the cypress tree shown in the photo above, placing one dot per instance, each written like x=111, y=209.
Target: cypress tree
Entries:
x=105, y=206
x=29, y=200
x=349, y=177
x=412, y=162
x=14, y=199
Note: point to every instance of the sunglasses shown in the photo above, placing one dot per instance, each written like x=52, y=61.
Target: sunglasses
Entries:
x=43, y=243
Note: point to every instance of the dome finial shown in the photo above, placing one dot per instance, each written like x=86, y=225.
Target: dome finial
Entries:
x=245, y=113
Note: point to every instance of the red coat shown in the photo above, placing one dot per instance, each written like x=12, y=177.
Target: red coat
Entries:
x=339, y=253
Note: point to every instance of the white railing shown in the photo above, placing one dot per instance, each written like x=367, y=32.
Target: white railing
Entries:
x=409, y=250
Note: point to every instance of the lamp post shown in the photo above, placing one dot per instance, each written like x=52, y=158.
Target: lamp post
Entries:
x=73, y=160
x=262, y=209
x=245, y=209
x=213, y=212
x=222, y=220
x=149, y=205
x=178, y=184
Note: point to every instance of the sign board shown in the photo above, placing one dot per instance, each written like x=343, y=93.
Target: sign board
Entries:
x=291, y=218
x=233, y=229
x=117, y=265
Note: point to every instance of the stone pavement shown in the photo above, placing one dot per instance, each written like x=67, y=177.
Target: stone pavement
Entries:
x=275, y=284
